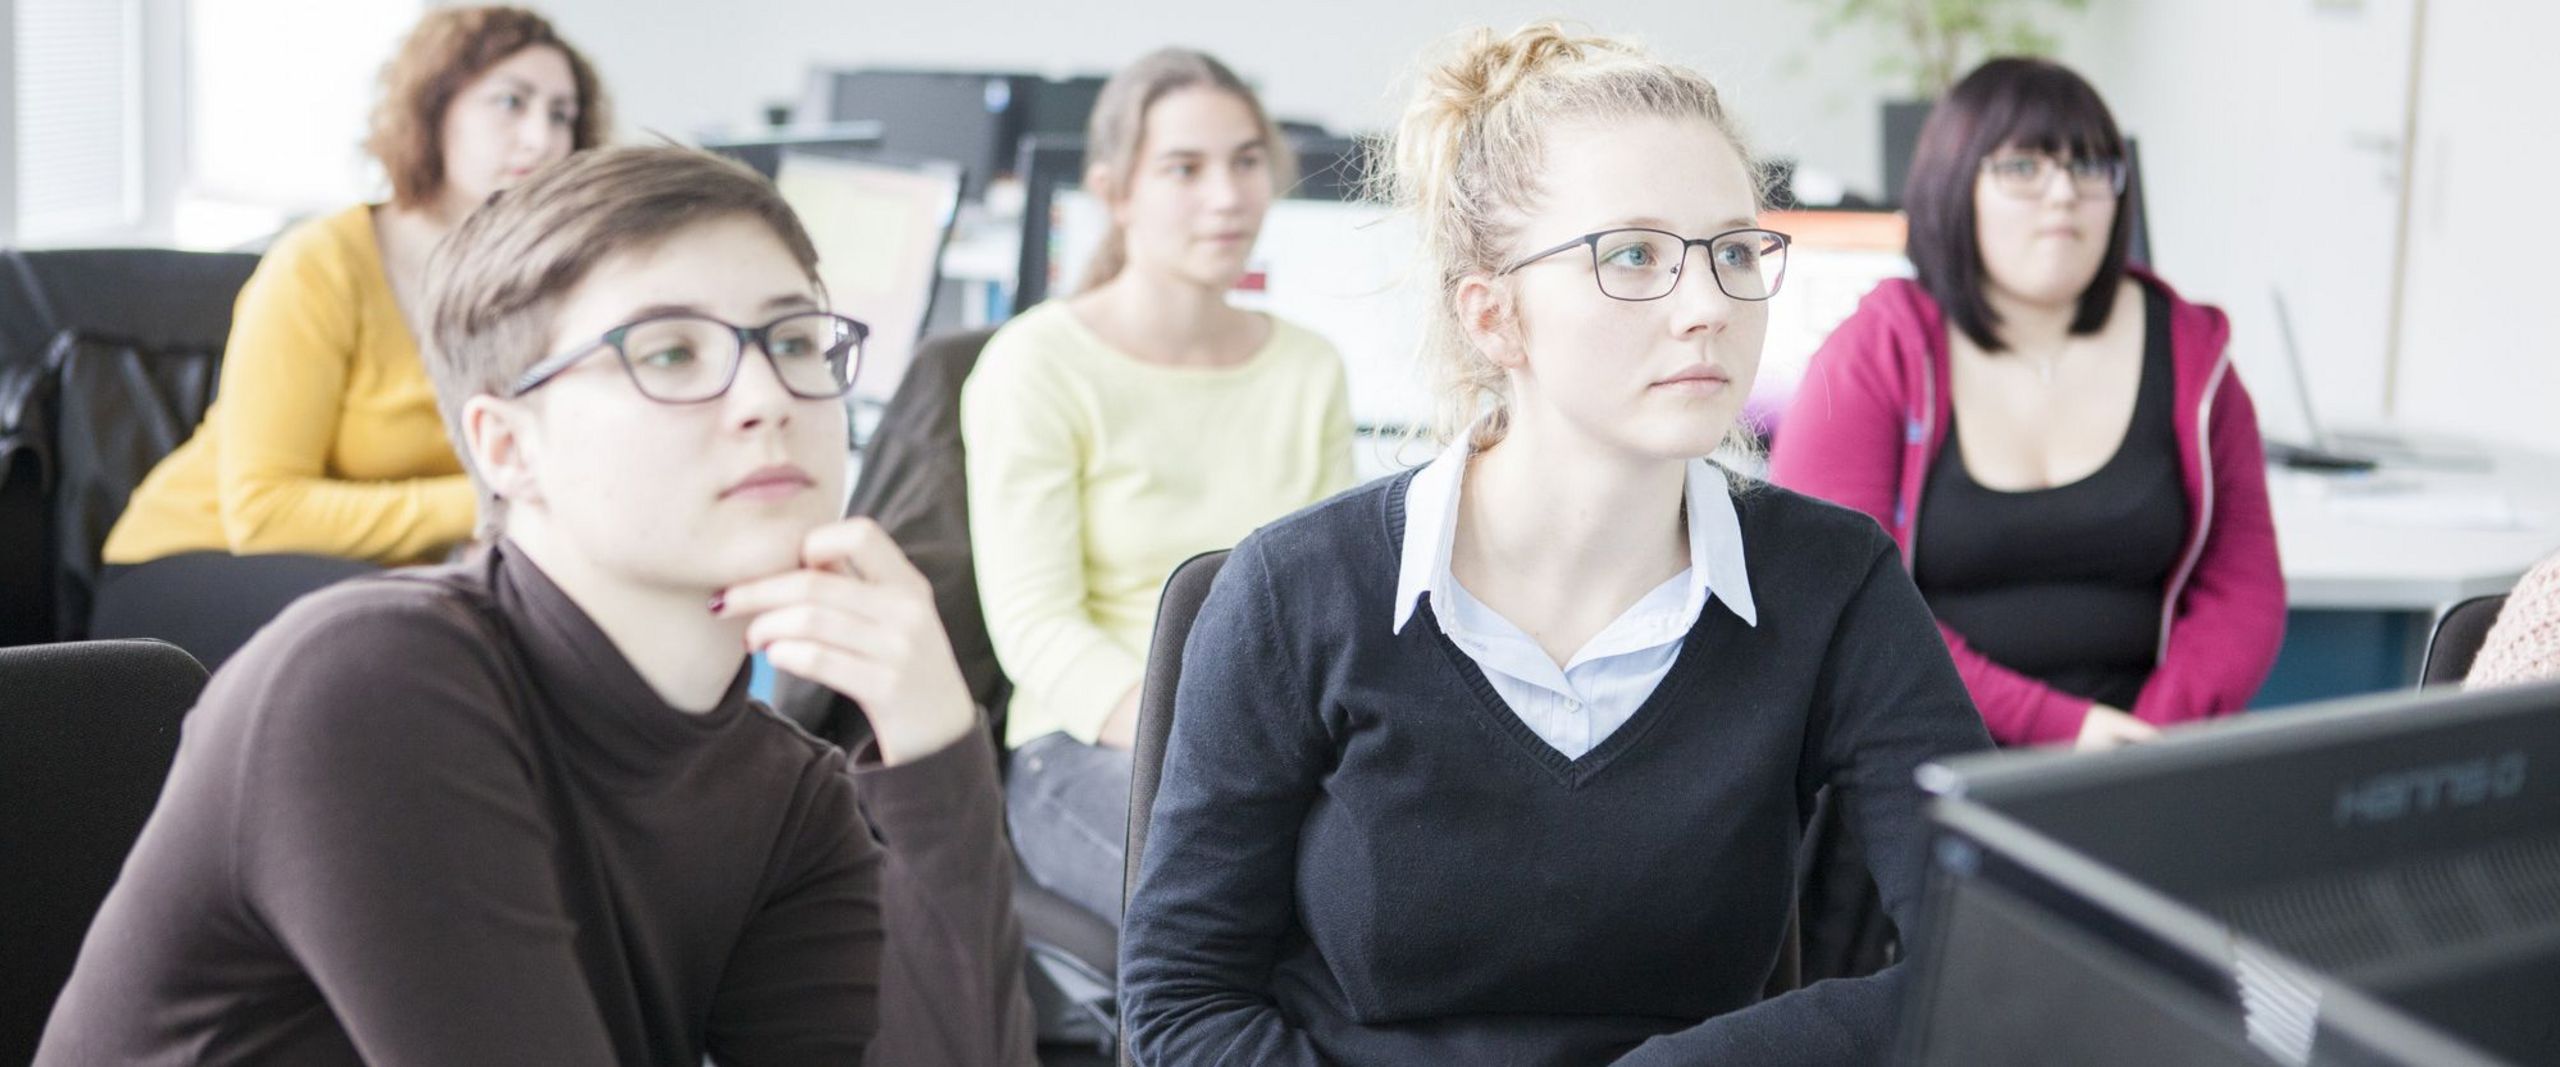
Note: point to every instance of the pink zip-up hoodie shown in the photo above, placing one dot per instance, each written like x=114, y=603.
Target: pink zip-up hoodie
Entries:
x=1873, y=411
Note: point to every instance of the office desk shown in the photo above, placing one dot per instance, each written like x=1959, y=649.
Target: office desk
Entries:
x=2371, y=559
x=2414, y=539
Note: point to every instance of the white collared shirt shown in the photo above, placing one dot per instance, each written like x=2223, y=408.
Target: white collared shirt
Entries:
x=1578, y=705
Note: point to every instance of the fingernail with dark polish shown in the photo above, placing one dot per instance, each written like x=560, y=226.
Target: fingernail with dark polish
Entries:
x=718, y=601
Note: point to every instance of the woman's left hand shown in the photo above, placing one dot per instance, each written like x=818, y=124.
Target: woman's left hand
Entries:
x=859, y=619
x=2108, y=727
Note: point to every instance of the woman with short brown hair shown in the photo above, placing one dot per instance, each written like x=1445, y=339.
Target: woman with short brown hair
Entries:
x=324, y=456
x=520, y=809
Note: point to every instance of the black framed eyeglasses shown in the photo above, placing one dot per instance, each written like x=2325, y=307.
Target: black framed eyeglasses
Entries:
x=684, y=358
x=2026, y=175
x=1637, y=263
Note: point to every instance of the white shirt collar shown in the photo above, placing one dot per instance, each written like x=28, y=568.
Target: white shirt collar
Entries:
x=1431, y=532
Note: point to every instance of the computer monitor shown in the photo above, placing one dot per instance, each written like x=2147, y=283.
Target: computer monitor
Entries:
x=1057, y=105
x=1834, y=260
x=968, y=118
x=763, y=151
x=1047, y=164
x=1330, y=167
x=2364, y=883
x=879, y=226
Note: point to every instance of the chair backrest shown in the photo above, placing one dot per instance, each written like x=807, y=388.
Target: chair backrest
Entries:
x=157, y=296
x=1179, y=607
x=2457, y=639
x=1184, y=592
x=26, y=585
x=87, y=734
x=152, y=299
x=915, y=484
x=120, y=408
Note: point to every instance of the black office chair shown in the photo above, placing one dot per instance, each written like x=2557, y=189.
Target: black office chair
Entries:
x=120, y=407
x=2457, y=639
x=1179, y=607
x=87, y=733
x=149, y=304
x=915, y=484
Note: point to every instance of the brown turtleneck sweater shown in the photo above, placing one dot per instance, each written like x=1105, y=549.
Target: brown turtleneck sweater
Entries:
x=438, y=819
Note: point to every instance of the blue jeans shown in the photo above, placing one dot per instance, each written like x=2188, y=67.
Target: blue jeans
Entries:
x=1069, y=805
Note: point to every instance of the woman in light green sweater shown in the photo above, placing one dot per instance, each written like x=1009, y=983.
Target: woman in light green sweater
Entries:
x=1115, y=433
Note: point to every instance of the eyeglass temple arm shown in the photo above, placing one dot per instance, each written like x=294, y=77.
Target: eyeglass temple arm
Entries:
x=1585, y=239
x=535, y=375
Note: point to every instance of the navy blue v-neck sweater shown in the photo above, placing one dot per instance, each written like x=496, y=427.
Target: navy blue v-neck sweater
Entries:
x=1360, y=855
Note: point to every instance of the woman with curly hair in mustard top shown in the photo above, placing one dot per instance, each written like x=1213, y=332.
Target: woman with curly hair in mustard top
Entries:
x=323, y=456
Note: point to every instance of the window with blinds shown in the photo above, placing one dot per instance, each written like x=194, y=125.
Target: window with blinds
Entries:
x=78, y=97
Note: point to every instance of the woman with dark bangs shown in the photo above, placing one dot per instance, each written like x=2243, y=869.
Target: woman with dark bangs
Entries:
x=2057, y=441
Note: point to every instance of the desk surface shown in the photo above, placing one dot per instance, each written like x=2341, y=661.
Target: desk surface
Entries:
x=2415, y=536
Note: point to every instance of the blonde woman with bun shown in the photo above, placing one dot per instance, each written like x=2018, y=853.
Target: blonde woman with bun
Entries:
x=1504, y=760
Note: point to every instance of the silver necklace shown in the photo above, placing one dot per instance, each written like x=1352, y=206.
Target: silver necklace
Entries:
x=2045, y=365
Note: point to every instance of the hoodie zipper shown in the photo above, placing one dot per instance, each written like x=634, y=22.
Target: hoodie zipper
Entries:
x=1915, y=435
x=2204, y=516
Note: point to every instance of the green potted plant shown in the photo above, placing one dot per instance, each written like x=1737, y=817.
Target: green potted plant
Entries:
x=1934, y=42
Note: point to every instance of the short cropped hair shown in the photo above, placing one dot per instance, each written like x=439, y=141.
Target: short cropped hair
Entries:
x=495, y=285
x=448, y=48
x=2005, y=103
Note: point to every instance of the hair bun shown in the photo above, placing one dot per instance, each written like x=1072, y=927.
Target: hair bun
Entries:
x=1460, y=95
x=1488, y=69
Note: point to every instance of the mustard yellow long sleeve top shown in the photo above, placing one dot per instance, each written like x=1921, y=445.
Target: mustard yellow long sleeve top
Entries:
x=323, y=438
x=1092, y=474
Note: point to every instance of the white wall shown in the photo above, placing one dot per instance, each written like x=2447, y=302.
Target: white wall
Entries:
x=2477, y=350
x=2269, y=131
x=2269, y=134
x=2272, y=132
x=679, y=66
x=278, y=95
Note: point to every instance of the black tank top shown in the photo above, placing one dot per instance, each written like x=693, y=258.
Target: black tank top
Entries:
x=2064, y=584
